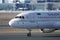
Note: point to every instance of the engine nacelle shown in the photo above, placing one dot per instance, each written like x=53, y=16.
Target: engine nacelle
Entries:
x=47, y=30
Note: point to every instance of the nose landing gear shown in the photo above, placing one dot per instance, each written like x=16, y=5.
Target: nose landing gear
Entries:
x=29, y=34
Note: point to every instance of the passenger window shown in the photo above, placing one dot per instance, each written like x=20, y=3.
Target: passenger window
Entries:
x=38, y=13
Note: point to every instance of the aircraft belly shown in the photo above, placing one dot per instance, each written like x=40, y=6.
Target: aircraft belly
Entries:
x=41, y=24
x=51, y=24
x=57, y=24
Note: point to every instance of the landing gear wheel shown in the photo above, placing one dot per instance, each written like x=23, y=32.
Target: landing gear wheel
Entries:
x=29, y=34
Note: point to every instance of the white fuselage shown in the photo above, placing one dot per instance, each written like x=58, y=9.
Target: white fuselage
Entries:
x=46, y=19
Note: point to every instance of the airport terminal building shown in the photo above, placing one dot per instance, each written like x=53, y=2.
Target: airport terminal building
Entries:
x=26, y=5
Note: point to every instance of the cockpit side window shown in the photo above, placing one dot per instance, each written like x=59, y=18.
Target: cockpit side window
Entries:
x=17, y=17
x=22, y=17
x=38, y=13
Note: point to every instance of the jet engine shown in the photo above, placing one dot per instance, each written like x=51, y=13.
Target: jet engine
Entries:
x=47, y=30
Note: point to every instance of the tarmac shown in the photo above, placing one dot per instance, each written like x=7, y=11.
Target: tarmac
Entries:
x=8, y=33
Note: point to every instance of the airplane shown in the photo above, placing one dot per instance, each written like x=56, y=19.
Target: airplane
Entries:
x=47, y=21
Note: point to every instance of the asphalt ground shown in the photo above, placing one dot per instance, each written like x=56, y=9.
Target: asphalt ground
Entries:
x=8, y=33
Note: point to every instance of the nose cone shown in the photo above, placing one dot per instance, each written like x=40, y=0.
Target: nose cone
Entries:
x=11, y=23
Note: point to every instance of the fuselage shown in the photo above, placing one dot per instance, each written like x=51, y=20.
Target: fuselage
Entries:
x=42, y=19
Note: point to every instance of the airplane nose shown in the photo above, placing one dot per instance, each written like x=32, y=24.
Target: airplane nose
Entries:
x=11, y=23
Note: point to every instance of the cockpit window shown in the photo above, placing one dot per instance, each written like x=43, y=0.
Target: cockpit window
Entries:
x=22, y=17
x=38, y=13
x=18, y=17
